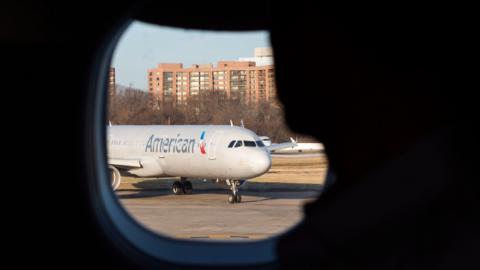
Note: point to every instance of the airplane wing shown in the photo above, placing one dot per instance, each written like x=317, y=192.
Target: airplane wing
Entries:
x=277, y=146
x=125, y=163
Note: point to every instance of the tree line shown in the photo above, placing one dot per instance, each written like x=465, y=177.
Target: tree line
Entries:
x=130, y=106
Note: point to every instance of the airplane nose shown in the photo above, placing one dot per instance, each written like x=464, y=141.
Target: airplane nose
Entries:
x=260, y=163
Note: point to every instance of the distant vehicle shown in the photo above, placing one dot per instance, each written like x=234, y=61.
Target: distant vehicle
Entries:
x=230, y=154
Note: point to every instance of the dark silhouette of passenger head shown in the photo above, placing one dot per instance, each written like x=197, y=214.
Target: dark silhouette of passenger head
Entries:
x=387, y=89
x=369, y=83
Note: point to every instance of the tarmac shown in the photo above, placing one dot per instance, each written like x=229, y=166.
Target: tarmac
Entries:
x=271, y=204
x=206, y=214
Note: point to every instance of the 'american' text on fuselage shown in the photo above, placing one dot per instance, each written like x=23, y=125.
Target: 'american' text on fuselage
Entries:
x=167, y=145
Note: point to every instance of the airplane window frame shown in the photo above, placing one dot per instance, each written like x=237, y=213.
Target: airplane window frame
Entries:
x=125, y=233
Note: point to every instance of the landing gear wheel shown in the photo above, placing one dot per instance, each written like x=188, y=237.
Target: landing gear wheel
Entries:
x=187, y=185
x=237, y=198
x=178, y=188
x=115, y=177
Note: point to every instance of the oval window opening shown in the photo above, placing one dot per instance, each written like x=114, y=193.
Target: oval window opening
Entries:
x=197, y=143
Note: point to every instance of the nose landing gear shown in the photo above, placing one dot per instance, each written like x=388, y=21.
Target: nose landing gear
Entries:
x=235, y=196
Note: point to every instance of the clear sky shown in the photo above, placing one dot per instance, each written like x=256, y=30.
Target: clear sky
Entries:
x=143, y=46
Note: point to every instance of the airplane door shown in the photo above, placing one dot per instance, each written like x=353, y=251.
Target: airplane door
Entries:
x=212, y=145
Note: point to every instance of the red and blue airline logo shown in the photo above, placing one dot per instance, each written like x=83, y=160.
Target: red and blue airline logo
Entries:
x=203, y=144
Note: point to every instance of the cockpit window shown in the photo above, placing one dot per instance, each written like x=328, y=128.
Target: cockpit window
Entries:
x=249, y=143
x=230, y=145
x=238, y=144
x=260, y=144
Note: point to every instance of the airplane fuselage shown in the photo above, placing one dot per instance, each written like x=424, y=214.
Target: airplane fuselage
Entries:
x=188, y=151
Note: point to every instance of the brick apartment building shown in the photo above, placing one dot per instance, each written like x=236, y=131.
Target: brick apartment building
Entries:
x=244, y=80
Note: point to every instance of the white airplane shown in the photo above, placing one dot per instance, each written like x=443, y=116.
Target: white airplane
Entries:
x=302, y=148
x=222, y=153
x=295, y=148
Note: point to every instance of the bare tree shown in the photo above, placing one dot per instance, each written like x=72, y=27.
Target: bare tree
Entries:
x=133, y=106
